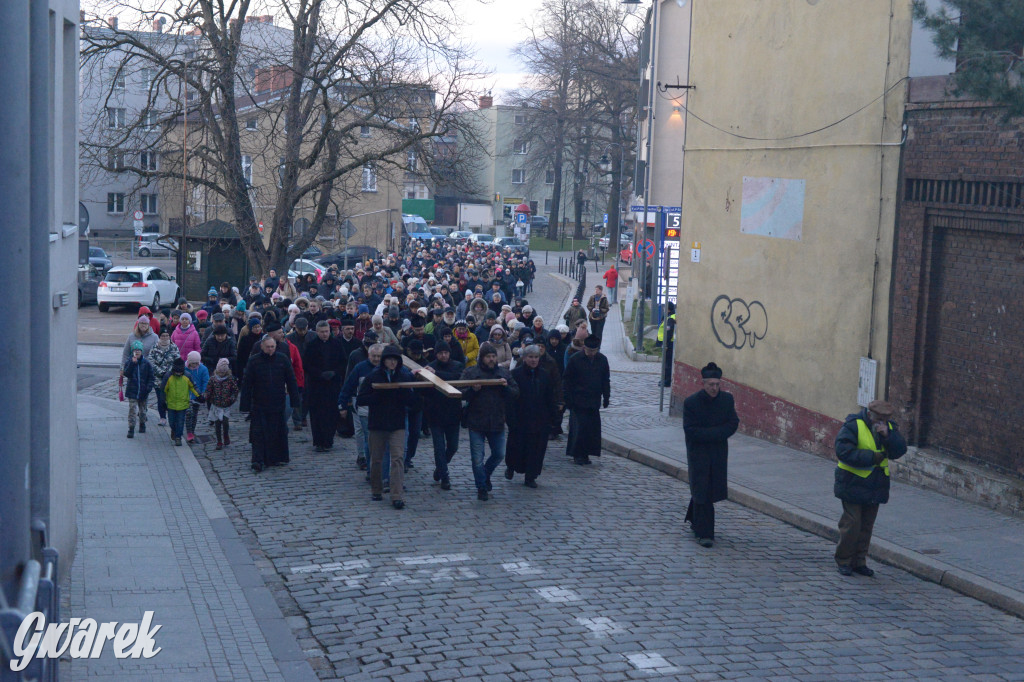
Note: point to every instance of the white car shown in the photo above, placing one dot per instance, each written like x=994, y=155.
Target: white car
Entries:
x=136, y=286
x=159, y=245
x=625, y=239
x=481, y=238
x=303, y=267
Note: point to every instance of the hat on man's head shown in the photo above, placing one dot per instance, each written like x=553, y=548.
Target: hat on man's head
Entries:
x=487, y=349
x=347, y=321
x=218, y=317
x=202, y=315
x=442, y=347
x=211, y=292
x=591, y=342
x=253, y=322
x=416, y=346
x=882, y=408
x=370, y=337
x=417, y=321
x=711, y=371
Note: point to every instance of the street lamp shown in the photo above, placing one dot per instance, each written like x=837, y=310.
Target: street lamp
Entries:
x=605, y=164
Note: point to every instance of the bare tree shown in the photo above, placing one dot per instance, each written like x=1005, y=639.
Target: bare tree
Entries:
x=344, y=91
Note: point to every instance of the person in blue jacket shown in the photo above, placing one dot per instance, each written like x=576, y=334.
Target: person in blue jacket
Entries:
x=200, y=376
x=141, y=378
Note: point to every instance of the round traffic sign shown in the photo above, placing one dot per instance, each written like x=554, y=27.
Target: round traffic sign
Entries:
x=645, y=248
x=137, y=215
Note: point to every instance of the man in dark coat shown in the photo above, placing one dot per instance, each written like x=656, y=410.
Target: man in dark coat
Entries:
x=349, y=343
x=386, y=421
x=864, y=446
x=323, y=362
x=268, y=379
x=709, y=420
x=443, y=415
x=531, y=415
x=486, y=415
x=586, y=380
x=218, y=345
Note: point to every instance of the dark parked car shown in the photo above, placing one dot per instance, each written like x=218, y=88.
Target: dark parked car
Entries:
x=99, y=258
x=353, y=253
x=312, y=252
x=89, y=278
x=538, y=222
x=513, y=243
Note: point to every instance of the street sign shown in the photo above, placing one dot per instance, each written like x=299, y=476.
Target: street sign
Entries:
x=137, y=225
x=695, y=252
x=347, y=229
x=645, y=248
x=668, y=282
x=261, y=227
x=522, y=218
x=137, y=215
x=605, y=218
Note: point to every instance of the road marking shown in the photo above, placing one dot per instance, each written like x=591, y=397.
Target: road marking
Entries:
x=649, y=662
x=558, y=595
x=431, y=559
x=425, y=575
x=601, y=626
x=336, y=566
x=521, y=568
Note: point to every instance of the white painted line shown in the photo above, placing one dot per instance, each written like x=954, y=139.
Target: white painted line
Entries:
x=557, y=595
x=352, y=580
x=601, y=626
x=521, y=568
x=650, y=662
x=431, y=559
x=336, y=566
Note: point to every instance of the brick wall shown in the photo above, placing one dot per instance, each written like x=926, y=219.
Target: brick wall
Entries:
x=956, y=366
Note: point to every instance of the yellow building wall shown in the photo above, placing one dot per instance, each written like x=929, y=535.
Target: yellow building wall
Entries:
x=776, y=69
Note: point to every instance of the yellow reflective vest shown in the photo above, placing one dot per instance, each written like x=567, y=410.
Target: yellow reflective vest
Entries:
x=661, y=327
x=866, y=441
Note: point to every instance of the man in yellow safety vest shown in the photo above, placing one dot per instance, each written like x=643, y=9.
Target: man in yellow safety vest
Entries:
x=864, y=446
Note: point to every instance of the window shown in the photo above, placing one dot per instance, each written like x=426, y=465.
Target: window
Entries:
x=250, y=123
x=116, y=78
x=519, y=146
x=520, y=119
x=518, y=176
x=549, y=177
x=280, y=171
x=148, y=76
x=147, y=161
x=149, y=120
x=115, y=117
x=247, y=169
x=547, y=206
x=364, y=131
x=411, y=160
x=586, y=206
x=369, y=178
x=115, y=202
x=533, y=207
x=148, y=204
x=115, y=159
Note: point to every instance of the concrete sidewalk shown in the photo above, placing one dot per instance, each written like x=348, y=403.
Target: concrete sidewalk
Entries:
x=976, y=551
x=99, y=355
x=154, y=537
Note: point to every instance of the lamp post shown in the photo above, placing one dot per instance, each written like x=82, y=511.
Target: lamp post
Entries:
x=647, y=168
x=605, y=164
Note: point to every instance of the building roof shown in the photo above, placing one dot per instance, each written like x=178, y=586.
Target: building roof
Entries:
x=214, y=229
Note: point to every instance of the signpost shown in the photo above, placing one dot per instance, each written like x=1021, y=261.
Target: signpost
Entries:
x=645, y=248
x=669, y=280
x=137, y=223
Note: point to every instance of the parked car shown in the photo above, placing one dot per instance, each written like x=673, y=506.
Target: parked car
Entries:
x=136, y=286
x=99, y=258
x=438, y=234
x=354, y=254
x=312, y=252
x=514, y=244
x=302, y=267
x=625, y=239
x=158, y=245
x=459, y=236
x=626, y=255
x=481, y=238
x=89, y=278
x=538, y=222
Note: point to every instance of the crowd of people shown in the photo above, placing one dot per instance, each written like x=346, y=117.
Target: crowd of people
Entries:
x=341, y=356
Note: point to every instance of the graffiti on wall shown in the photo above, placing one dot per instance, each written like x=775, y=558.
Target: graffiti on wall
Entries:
x=738, y=324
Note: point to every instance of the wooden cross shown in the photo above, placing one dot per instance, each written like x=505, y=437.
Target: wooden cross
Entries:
x=430, y=380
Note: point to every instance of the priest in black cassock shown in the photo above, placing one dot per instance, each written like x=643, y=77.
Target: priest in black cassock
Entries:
x=586, y=384
x=267, y=380
x=709, y=420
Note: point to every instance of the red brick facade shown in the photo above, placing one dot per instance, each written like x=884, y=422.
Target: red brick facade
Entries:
x=956, y=365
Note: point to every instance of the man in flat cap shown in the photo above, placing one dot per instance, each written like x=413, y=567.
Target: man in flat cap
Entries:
x=864, y=446
x=709, y=420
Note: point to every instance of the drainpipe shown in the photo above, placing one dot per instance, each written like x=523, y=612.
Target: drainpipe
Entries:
x=15, y=360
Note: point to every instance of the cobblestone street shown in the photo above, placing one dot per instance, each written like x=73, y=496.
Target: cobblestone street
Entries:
x=591, y=576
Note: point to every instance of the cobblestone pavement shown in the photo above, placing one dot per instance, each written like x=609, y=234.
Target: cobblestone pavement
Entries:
x=591, y=576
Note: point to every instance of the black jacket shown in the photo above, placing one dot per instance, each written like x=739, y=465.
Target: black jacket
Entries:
x=213, y=350
x=387, y=407
x=324, y=363
x=438, y=410
x=534, y=407
x=487, y=407
x=585, y=382
x=266, y=380
x=708, y=423
x=874, y=489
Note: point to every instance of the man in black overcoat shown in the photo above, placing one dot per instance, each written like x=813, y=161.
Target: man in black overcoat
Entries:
x=709, y=420
x=586, y=385
x=531, y=415
x=324, y=362
x=267, y=379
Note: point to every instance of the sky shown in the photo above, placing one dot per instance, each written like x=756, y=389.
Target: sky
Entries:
x=494, y=28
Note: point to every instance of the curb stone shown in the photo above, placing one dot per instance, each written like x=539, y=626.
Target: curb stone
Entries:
x=915, y=563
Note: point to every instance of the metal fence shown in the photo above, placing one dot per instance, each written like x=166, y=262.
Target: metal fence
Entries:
x=37, y=591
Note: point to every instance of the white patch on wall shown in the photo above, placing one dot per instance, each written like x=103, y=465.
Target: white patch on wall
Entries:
x=773, y=207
